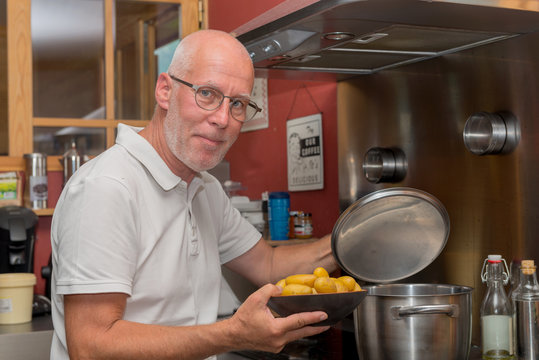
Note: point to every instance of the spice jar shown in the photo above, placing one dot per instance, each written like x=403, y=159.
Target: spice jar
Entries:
x=291, y=227
x=303, y=225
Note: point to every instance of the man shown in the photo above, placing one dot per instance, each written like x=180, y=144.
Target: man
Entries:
x=140, y=232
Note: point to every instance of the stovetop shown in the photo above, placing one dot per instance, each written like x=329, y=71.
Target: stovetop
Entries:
x=336, y=343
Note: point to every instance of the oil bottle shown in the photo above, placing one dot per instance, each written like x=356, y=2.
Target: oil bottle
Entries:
x=526, y=310
x=496, y=311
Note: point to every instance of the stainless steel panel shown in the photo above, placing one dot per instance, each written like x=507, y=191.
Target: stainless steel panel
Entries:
x=492, y=200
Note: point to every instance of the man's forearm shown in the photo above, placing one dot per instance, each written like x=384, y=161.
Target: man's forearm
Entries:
x=130, y=340
x=251, y=327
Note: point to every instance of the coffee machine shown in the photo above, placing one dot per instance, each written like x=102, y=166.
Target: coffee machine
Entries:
x=17, y=238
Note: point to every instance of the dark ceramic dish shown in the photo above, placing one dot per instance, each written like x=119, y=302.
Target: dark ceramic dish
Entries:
x=336, y=305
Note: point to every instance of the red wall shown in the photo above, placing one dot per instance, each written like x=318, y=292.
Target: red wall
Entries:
x=258, y=158
x=227, y=15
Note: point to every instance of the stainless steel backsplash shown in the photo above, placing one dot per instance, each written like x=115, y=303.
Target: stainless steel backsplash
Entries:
x=492, y=200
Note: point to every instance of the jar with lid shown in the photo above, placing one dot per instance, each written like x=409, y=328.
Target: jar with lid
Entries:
x=291, y=227
x=303, y=226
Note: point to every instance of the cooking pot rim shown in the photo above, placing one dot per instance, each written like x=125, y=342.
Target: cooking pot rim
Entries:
x=416, y=290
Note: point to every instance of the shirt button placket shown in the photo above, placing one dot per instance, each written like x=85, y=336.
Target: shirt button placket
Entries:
x=193, y=236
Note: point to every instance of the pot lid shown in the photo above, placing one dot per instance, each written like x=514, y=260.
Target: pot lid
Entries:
x=390, y=234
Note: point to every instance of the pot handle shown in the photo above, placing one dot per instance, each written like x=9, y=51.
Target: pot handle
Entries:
x=398, y=312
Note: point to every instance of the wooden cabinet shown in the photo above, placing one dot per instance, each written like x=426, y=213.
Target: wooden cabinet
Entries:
x=82, y=80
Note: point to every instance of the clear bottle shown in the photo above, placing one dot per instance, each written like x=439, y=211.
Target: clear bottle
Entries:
x=514, y=280
x=526, y=309
x=496, y=311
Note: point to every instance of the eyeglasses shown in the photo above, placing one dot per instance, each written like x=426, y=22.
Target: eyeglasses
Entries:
x=209, y=98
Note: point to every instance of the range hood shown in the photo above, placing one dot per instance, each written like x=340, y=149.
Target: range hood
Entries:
x=367, y=36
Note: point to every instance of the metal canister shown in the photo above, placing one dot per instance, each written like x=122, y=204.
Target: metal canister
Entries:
x=71, y=161
x=36, y=188
x=527, y=329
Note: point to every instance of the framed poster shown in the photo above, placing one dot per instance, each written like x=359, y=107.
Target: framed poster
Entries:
x=305, y=155
x=260, y=96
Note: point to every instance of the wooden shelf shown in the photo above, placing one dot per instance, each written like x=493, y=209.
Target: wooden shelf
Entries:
x=44, y=212
x=17, y=163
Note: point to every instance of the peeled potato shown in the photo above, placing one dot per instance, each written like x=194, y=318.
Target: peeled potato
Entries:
x=319, y=282
x=340, y=286
x=320, y=272
x=301, y=279
x=348, y=281
x=281, y=283
x=325, y=285
x=296, y=289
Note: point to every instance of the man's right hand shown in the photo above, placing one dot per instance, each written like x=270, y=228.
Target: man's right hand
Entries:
x=255, y=327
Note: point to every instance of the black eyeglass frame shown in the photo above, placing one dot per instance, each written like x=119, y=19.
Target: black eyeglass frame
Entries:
x=232, y=99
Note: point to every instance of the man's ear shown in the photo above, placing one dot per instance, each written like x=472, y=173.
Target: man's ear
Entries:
x=163, y=91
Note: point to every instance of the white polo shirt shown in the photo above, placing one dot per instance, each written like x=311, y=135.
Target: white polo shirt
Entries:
x=125, y=223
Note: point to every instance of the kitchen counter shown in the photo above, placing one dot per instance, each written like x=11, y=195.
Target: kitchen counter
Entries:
x=28, y=341
x=337, y=343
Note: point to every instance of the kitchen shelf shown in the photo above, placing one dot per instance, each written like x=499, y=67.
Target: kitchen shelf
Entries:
x=17, y=163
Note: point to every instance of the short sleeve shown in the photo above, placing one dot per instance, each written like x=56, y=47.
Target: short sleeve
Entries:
x=97, y=238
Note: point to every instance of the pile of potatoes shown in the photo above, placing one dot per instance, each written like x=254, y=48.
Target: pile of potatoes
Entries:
x=319, y=282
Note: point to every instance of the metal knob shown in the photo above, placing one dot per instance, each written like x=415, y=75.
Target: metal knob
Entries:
x=491, y=133
x=384, y=165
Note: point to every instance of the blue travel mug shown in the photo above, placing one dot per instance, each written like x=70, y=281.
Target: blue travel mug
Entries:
x=278, y=215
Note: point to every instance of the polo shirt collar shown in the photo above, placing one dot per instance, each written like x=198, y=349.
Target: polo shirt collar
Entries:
x=144, y=152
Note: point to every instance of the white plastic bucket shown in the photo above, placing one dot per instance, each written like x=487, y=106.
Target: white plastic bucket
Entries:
x=16, y=297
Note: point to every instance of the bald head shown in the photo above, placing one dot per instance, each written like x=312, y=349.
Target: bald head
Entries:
x=204, y=43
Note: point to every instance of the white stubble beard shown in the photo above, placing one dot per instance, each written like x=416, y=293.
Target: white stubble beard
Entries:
x=179, y=147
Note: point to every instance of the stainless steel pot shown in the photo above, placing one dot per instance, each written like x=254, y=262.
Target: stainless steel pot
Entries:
x=402, y=321
x=414, y=321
